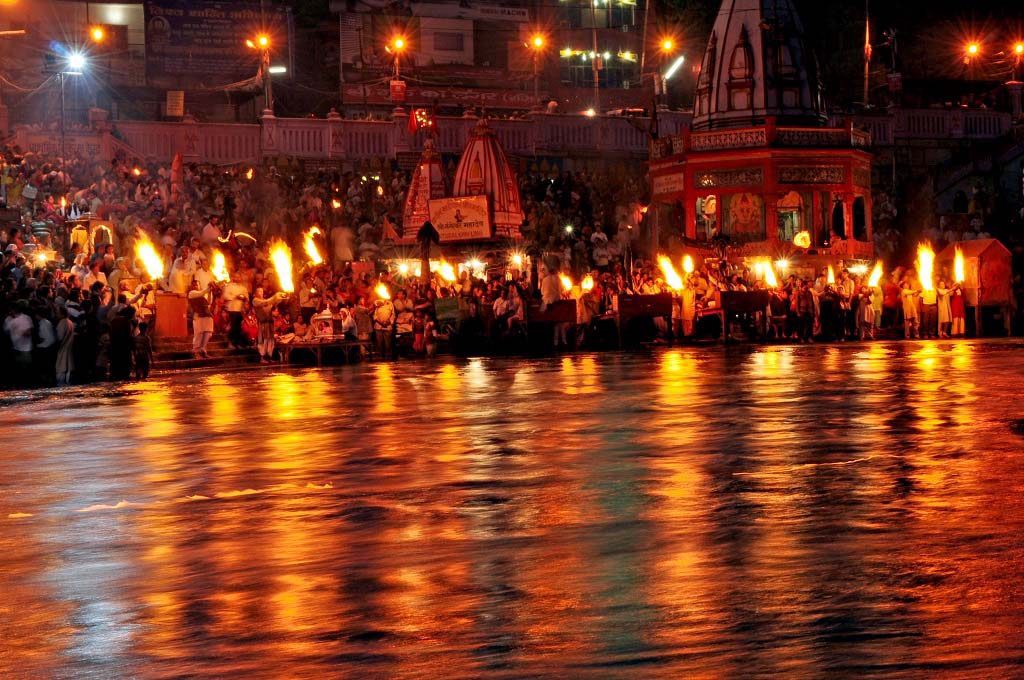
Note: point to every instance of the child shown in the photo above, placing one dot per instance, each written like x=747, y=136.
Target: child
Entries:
x=957, y=310
x=866, y=315
x=142, y=351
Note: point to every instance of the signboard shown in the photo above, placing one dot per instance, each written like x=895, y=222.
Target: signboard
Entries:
x=191, y=42
x=175, y=107
x=461, y=219
x=426, y=96
x=397, y=91
x=668, y=184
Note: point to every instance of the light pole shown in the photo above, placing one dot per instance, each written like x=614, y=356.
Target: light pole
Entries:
x=537, y=45
x=665, y=49
x=262, y=43
x=73, y=66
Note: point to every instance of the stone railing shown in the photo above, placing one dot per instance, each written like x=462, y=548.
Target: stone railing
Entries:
x=334, y=138
x=934, y=124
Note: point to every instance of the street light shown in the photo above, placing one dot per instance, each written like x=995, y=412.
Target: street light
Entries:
x=74, y=64
x=666, y=48
x=97, y=34
x=971, y=52
x=1018, y=56
x=396, y=47
x=537, y=45
x=262, y=43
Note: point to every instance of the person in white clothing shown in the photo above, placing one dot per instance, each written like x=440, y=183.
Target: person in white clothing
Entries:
x=235, y=297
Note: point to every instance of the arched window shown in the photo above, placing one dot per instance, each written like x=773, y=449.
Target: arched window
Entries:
x=741, y=66
x=860, y=221
x=838, y=218
x=786, y=64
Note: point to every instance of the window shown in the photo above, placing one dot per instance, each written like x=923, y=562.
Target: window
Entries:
x=741, y=65
x=860, y=220
x=449, y=42
x=617, y=73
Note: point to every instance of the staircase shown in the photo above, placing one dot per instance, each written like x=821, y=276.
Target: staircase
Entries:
x=175, y=354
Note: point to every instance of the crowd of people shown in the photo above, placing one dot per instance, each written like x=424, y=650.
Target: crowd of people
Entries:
x=78, y=308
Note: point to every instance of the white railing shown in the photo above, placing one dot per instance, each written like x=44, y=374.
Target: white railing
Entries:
x=935, y=124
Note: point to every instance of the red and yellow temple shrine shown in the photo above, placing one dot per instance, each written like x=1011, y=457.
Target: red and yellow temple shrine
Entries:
x=760, y=162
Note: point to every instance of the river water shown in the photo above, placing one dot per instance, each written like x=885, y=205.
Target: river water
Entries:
x=814, y=511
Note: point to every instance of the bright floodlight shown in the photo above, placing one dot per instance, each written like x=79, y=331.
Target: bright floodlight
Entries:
x=674, y=67
x=1018, y=49
x=973, y=48
x=76, y=61
x=538, y=41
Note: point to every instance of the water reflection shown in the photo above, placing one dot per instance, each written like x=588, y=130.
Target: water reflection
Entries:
x=796, y=511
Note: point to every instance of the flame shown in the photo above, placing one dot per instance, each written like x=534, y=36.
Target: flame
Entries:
x=136, y=171
x=446, y=271
x=876, y=275
x=802, y=239
x=687, y=264
x=566, y=282
x=668, y=270
x=309, y=245
x=249, y=173
x=151, y=260
x=336, y=204
x=587, y=284
x=925, y=265
x=769, y=275
x=281, y=257
x=831, y=280
x=63, y=203
x=959, y=271
x=382, y=291
x=219, y=267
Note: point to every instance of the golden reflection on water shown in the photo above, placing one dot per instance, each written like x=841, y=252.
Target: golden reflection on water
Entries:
x=805, y=511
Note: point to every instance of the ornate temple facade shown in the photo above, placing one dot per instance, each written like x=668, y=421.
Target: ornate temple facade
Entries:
x=760, y=164
x=484, y=170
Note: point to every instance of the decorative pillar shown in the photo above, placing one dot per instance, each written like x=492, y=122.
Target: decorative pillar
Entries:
x=1014, y=88
x=269, y=140
x=188, y=139
x=401, y=139
x=335, y=135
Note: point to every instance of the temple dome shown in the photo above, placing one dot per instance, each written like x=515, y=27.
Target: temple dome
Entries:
x=756, y=66
x=428, y=182
x=485, y=171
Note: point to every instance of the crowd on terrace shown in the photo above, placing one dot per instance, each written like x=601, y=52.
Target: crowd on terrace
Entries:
x=79, y=310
